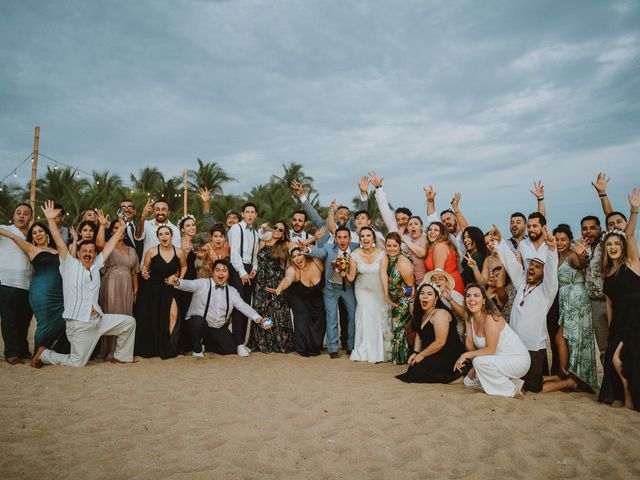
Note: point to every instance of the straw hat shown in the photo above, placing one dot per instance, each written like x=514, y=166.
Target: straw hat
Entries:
x=438, y=271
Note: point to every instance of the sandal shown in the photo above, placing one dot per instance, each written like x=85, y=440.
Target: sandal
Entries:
x=581, y=385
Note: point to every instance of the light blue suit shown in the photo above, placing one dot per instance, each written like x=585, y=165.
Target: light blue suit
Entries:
x=333, y=292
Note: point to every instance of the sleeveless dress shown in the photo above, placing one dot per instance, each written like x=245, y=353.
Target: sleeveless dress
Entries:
x=184, y=300
x=373, y=329
x=500, y=374
x=436, y=368
x=576, y=322
x=45, y=298
x=308, y=317
x=400, y=315
x=279, y=338
x=116, y=291
x=623, y=289
x=153, y=308
x=450, y=266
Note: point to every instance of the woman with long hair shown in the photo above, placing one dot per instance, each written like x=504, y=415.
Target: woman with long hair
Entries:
x=437, y=344
x=415, y=241
x=87, y=230
x=216, y=249
x=273, y=258
x=498, y=355
x=474, y=243
x=621, y=270
x=396, y=273
x=441, y=253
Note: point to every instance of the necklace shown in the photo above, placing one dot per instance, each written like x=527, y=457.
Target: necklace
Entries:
x=527, y=293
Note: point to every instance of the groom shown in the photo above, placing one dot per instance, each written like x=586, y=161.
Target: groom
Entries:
x=333, y=290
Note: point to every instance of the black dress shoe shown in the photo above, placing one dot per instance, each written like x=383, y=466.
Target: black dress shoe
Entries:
x=348, y=352
x=334, y=355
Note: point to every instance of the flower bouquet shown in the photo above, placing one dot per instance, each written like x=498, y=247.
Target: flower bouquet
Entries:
x=341, y=265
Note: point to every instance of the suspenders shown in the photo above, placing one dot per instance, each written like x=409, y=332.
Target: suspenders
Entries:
x=242, y=242
x=226, y=310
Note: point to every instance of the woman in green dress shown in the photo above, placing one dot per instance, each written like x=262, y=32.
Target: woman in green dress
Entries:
x=398, y=280
x=575, y=340
x=45, y=292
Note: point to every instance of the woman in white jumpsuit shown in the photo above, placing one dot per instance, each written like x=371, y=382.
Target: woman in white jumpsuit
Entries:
x=498, y=355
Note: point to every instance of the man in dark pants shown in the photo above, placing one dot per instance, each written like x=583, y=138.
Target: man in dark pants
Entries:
x=211, y=305
x=15, y=279
x=243, y=244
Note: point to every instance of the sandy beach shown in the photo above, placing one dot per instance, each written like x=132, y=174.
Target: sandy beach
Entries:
x=284, y=416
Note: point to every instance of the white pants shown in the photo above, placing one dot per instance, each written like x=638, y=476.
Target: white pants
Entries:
x=84, y=336
x=499, y=374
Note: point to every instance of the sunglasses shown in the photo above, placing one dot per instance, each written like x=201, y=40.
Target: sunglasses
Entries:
x=280, y=229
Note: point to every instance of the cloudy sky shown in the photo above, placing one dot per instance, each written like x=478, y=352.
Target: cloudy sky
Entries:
x=477, y=97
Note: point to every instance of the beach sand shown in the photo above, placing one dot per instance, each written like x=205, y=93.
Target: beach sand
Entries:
x=283, y=416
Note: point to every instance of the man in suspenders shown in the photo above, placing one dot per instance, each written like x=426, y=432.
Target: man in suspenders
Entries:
x=243, y=243
x=211, y=305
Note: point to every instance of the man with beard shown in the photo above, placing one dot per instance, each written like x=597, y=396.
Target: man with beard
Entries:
x=533, y=246
x=15, y=279
x=146, y=230
x=518, y=228
x=85, y=321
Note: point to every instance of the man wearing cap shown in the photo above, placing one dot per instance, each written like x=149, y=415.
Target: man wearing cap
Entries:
x=537, y=286
x=211, y=306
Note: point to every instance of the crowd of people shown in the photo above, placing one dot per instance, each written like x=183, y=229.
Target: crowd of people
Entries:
x=453, y=303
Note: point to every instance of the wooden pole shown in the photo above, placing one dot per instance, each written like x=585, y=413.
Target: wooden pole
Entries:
x=34, y=169
x=186, y=173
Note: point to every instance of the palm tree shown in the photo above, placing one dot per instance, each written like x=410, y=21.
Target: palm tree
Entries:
x=64, y=186
x=209, y=175
x=105, y=192
x=9, y=197
x=150, y=181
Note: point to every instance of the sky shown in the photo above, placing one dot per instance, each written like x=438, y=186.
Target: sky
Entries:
x=476, y=97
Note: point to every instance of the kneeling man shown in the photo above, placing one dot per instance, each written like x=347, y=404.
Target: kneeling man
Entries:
x=85, y=321
x=211, y=306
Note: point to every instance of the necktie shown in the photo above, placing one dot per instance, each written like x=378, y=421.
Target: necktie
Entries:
x=131, y=231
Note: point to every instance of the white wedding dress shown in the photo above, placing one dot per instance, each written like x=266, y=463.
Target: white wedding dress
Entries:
x=373, y=324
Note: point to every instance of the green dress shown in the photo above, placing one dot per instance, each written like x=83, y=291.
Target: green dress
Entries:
x=576, y=322
x=400, y=315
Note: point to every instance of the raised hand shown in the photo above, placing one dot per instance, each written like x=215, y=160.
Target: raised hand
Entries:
x=205, y=194
x=333, y=206
x=375, y=180
x=580, y=246
x=634, y=199
x=102, y=219
x=148, y=208
x=495, y=234
x=321, y=232
x=538, y=189
x=74, y=234
x=549, y=239
x=49, y=211
x=264, y=227
x=470, y=261
x=296, y=186
x=601, y=183
x=455, y=201
x=429, y=193
x=363, y=185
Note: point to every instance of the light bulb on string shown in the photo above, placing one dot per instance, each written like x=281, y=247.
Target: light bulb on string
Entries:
x=15, y=174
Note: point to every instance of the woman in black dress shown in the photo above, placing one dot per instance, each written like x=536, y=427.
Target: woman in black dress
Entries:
x=437, y=345
x=157, y=311
x=621, y=269
x=188, y=229
x=304, y=281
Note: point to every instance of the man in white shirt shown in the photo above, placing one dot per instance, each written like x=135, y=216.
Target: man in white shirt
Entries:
x=85, y=321
x=518, y=227
x=534, y=246
x=15, y=279
x=537, y=286
x=243, y=244
x=211, y=306
x=146, y=230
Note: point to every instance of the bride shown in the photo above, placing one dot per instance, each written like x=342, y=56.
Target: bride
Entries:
x=373, y=330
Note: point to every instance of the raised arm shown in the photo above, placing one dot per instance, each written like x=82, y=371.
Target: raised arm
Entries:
x=514, y=268
x=632, y=245
x=28, y=248
x=311, y=212
x=205, y=196
x=331, y=218
x=601, y=187
x=538, y=192
x=50, y=213
x=383, y=204
x=455, y=204
x=550, y=280
x=148, y=208
x=113, y=241
x=102, y=222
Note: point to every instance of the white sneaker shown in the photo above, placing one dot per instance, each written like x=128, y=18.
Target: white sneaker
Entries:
x=198, y=354
x=243, y=351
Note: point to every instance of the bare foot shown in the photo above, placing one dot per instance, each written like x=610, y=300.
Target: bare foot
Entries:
x=36, y=362
x=115, y=360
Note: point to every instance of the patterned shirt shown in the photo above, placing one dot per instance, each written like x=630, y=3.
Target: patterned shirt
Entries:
x=593, y=279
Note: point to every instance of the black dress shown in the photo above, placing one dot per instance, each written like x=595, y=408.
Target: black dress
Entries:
x=184, y=300
x=153, y=308
x=436, y=368
x=623, y=289
x=308, y=317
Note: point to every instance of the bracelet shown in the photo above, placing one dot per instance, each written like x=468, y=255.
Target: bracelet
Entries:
x=475, y=267
x=331, y=212
x=602, y=195
x=634, y=211
x=416, y=353
x=540, y=198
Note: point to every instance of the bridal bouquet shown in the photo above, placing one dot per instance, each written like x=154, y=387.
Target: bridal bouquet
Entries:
x=341, y=264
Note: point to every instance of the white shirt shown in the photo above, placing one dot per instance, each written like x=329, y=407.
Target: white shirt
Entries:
x=250, y=245
x=528, y=251
x=529, y=320
x=150, y=236
x=335, y=276
x=218, y=304
x=15, y=267
x=80, y=288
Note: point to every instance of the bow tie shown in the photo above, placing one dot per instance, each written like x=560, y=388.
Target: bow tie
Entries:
x=296, y=235
x=249, y=227
x=221, y=287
